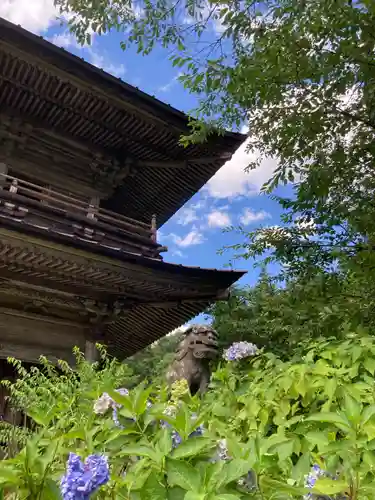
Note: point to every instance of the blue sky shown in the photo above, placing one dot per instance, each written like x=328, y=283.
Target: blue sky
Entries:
x=232, y=197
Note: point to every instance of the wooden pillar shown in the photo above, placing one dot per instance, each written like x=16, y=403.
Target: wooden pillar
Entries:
x=3, y=172
x=91, y=353
x=154, y=230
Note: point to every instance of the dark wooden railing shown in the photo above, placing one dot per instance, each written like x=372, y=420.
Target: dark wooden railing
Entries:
x=48, y=209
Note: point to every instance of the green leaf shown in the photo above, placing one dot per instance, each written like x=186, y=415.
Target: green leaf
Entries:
x=232, y=471
x=369, y=364
x=140, y=398
x=327, y=486
x=191, y=495
x=164, y=444
x=284, y=449
x=119, y=440
x=319, y=439
x=279, y=487
x=329, y=417
x=138, y=450
x=138, y=474
x=352, y=408
x=302, y=467
x=191, y=447
x=154, y=488
x=226, y=496
x=213, y=475
x=125, y=401
x=367, y=413
x=176, y=493
x=9, y=476
x=183, y=474
x=51, y=490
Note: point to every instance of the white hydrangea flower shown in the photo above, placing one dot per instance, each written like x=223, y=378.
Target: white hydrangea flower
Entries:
x=105, y=401
x=102, y=404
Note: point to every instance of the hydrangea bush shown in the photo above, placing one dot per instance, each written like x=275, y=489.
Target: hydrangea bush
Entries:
x=266, y=429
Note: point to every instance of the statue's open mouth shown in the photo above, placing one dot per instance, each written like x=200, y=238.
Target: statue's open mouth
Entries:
x=205, y=351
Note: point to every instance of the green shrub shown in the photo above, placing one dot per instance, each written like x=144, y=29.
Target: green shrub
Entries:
x=264, y=430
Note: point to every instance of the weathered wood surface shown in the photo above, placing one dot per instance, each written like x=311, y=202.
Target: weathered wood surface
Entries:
x=125, y=304
x=47, y=209
x=28, y=336
x=102, y=136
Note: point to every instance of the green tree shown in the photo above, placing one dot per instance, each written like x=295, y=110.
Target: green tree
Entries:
x=151, y=363
x=283, y=319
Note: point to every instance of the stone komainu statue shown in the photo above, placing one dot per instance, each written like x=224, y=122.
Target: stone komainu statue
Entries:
x=192, y=361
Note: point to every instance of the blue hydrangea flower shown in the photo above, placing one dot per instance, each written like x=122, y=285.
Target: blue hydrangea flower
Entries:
x=248, y=482
x=198, y=431
x=240, y=350
x=310, y=480
x=115, y=418
x=83, y=479
x=176, y=439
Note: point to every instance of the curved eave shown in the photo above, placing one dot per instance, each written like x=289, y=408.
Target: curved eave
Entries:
x=107, y=115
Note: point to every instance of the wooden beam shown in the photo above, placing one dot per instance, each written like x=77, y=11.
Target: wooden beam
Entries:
x=178, y=164
x=91, y=352
x=85, y=84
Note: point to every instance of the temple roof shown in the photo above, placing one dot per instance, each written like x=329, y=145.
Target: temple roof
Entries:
x=73, y=113
x=52, y=289
x=68, y=125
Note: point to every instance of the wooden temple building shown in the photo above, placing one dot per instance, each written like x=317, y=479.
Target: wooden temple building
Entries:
x=89, y=166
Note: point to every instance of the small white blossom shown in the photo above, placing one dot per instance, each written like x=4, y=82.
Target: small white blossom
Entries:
x=222, y=452
x=170, y=411
x=105, y=402
x=240, y=350
x=102, y=404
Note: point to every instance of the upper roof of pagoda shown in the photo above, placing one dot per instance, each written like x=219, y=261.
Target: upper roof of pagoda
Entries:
x=68, y=123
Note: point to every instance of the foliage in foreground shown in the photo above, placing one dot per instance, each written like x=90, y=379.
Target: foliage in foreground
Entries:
x=264, y=425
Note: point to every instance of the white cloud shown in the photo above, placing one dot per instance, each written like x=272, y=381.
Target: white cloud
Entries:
x=168, y=86
x=65, y=40
x=232, y=181
x=38, y=15
x=194, y=237
x=69, y=41
x=250, y=216
x=177, y=253
x=34, y=15
x=244, y=129
x=105, y=64
x=218, y=219
x=187, y=216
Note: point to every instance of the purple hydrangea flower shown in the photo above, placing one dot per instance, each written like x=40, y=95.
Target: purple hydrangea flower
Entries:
x=240, y=350
x=83, y=479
